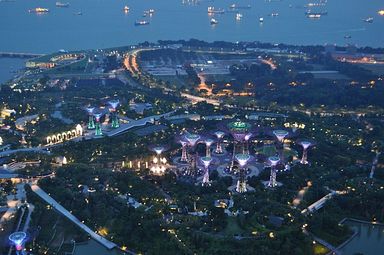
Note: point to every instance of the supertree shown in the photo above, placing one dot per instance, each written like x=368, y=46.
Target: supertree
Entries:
x=280, y=135
x=98, y=131
x=192, y=140
x=239, y=131
x=115, y=120
x=305, y=145
x=206, y=161
x=219, y=135
x=208, y=142
x=242, y=159
x=91, y=122
x=18, y=240
x=184, y=153
x=272, y=179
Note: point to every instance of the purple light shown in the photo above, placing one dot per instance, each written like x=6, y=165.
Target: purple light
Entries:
x=208, y=142
x=114, y=104
x=17, y=239
x=242, y=159
x=219, y=134
x=238, y=136
x=247, y=137
x=305, y=144
x=192, y=139
x=206, y=161
x=90, y=110
x=274, y=160
x=158, y=150
x=97, y=116
x=280, y=134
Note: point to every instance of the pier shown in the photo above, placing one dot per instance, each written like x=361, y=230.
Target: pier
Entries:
x=19, y=55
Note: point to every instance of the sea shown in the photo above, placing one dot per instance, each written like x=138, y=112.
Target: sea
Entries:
x=94, y=24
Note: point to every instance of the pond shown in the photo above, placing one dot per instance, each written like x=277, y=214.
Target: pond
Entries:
x=368, y=241
x=94, y=248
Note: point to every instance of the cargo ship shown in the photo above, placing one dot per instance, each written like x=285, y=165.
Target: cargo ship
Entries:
x=39, y=10
x=60, y=4
x=212, y=10
x=315, y=15
x=234, y=6
x=141, y=22
x=368, y=20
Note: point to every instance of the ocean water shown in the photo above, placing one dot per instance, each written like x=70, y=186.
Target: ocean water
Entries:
x=103, y=23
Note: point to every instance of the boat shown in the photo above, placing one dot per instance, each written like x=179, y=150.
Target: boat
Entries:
x=318, y=14
x=212, y=10
x=126, y=8
x=234, y=6
x=39, y=10
x=239, y=16
x=381, y=12
x=261, y=20
x=314, y=15
x=368, y=20
x=347, y=36
x=274, y=14
x=61, y=4
x=150, y=11
x=78, y=13
x=214, y=21
x=141, y=22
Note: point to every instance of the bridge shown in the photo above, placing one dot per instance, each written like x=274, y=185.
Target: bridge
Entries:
x=42, y=194
x=19, y=55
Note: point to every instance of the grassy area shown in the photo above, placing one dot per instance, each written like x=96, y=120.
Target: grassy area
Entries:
x=272, y=151
x=376, y=69
x=175, y=81
x=319, y=249
x=232, y=227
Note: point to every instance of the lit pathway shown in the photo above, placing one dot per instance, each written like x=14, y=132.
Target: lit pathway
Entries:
x=34, y=149
x=374, y=164
x=41, y=193
x=137, y=123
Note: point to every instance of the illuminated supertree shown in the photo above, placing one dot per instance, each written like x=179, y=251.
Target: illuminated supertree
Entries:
x=281, y=135
x=242, y=159
x=115, y=120
x=239, y=131
x=272, y=179
x=18, y=240
x=192, y=140
x=219, y=135
x=91, y=122
x=206, y=161
x=98, y=131
x=305, y=145
x=184, y=153
x=208, y=143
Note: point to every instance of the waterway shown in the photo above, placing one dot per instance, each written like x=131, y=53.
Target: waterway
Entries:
x=103, y=23
x=8, y=67
x=94, y=248
x=368, y=241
